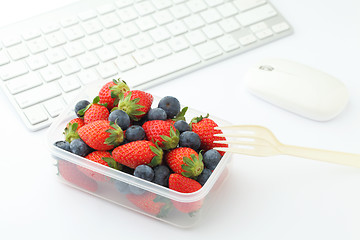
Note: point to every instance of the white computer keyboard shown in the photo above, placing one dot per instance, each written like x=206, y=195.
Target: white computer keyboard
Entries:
x=46, y=60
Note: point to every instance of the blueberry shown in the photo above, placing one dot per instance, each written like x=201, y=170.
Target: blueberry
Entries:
x=63, y=145
x=162, y=174
x=121, y=118
x=182, y=126
x=204, y=176
x=144, y=172
x=136, y=190
x=122, y=187
x=171, y=106
x=157, y=114
x=81, y=105
x=79, y=147
x=189, y=139
x=134, y=133
x=211, y=158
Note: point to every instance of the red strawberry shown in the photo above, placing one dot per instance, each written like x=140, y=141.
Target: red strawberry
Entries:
x=70, y=131
x=135, y=103
x=94, y=111
x=185, y=161
x=70, y=173
x=136, y=153
x=204, y=127
x=101, y=135
x=101, y=157
x=183, y=184
x=109, y=93
x=162, y=132
x=150, y=203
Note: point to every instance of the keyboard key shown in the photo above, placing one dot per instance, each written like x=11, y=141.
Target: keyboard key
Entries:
x=88, y=76
x=127, y=14
x=31, y=34
x=247, y=39
x=124, y=47
x=51, y=27
x=92, y=26
x=280, y=27
x=142, y=40
x=37, y=45
x=162, y=4
x=145, y=23
x=178, y=44
x=55, y=55
x=87, y=15
x=36, y=114
x=13, y=70
x=180, y=11
x=208, y=50
x=50, y=73
x=106, y=53
x=88, y=60
x=264, y=33
x=70, y=21
x=23, y=83
x=110, y=36
x=125, y=63
x=244, y=5
x=143, y=56
x=144, y=8
x=161, y=50
x=176, y=28
x=128, y=29
x=210, y=15
x=73, y=33
x=162, y=17
x=196, y=5
x=110, y=20
x=107, y=70
x=69, y=83
x=4, y=59
x=69, y=66
x=74, y=48
x=123, y=3
x=18, y=52
x=213, y=3
x=161, y=67
x=229, y=25
x=11, y=40
x=55, y=39
x=194, y=21
x=227, y=10
x=55, y=106
x=37, y=95
x=160, y=34
x=212, y=31
x=228, y=43
x=195, y=37
x=106, y=8
x=92, y=42
x=36, y=62
x=256, y=15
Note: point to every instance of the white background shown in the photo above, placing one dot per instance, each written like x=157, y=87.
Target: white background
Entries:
x=264, y=198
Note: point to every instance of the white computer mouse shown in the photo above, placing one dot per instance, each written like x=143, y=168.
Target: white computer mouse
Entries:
x=297, y=88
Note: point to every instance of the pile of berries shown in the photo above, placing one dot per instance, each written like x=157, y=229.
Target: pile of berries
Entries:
x=121, y=129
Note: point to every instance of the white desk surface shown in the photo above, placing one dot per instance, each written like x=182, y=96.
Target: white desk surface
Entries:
x=263, y=198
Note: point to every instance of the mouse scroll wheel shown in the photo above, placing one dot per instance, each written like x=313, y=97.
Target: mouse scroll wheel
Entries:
x=266, y=68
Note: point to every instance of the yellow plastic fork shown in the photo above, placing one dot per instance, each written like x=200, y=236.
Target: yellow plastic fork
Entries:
x=259, y=141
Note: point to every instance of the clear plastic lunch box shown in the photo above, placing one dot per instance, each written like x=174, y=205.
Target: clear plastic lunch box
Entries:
x=108, y=183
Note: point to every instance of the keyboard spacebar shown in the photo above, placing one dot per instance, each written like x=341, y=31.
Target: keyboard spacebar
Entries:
x=161, y=68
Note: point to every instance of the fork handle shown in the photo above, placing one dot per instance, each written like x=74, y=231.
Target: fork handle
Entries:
x=349, y=159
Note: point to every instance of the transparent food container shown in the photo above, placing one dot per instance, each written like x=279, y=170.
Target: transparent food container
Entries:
x=156, y=201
